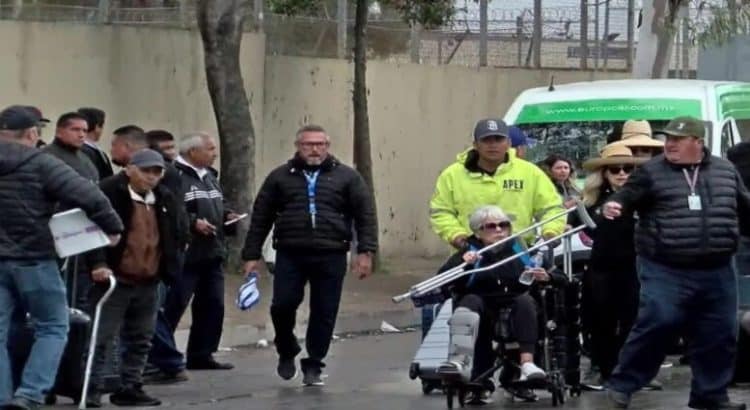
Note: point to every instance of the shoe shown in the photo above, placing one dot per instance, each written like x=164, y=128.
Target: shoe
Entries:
x=93, y=400
x=455, y=369
x=523, y=394
x=208, y=364
x=483, y=396
x=530, y=371
x=618, y=400
x=21, y=403
x=654, y=385
x=286, y=369
x=162, y=377
x=592, y=380
x=312, y=377
x=727, y=405
x=133, y=397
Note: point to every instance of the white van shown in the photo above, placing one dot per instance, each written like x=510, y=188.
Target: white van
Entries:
x=574, y=120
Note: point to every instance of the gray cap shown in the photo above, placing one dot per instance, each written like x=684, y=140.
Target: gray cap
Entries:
x=147, y=158
x=490, y=127
x=18, y=117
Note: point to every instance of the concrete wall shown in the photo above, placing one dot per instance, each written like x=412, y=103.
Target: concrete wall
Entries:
x=420, y=118
x=147, y=76
x=420, y=115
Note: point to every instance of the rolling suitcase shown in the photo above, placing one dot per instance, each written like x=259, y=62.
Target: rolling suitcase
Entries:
x=433, y=351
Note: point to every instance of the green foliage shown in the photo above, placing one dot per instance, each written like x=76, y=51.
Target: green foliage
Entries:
x=294, y=7
x=724, y=24
x=428, y=13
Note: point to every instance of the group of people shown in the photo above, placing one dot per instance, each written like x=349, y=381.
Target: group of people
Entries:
x=669, y=217
x=167, y=221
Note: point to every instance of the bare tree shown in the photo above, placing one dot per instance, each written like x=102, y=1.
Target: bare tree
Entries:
x=221, y=26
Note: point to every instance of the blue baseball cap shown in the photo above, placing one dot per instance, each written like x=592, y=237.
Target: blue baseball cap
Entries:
x=517, y=137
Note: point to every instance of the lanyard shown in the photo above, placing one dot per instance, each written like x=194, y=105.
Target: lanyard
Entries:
x=694, y=181
x=312, y=182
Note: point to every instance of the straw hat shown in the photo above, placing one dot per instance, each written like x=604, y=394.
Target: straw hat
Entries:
x=638, y=134
x=613, y=154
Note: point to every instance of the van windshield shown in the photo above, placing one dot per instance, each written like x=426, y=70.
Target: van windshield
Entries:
x=577, y=140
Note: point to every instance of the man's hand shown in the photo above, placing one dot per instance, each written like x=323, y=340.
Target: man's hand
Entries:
x=471, y=257
x=363, y=265
x=204, y=227
x=570, y=203
x=540, y=275
x=612, y=210
x=114, y=239
x=459, y=242
x=101, y=274
x=250, y=266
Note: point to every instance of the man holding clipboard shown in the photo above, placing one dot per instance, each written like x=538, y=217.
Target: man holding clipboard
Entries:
x=31, y=183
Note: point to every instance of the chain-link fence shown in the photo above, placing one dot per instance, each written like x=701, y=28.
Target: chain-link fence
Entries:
x=565, y=41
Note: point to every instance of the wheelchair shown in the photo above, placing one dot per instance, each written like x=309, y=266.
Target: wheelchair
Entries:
x=557, y=351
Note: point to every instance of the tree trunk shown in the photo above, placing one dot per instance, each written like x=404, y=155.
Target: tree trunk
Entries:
x=221, y=26
x=362, y=145
x=655, y=39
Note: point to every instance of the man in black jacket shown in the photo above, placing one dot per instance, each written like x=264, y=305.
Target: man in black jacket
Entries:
x=202, y=276
x=30, y=185
x=313, y=201
x=689, y=204
x=95, y=120
x=146, y=255
x=739, y=155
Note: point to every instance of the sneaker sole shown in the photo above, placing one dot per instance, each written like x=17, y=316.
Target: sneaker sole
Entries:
x=294, y=376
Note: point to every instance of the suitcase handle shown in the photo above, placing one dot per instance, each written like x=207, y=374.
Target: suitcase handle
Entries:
x=92, y=342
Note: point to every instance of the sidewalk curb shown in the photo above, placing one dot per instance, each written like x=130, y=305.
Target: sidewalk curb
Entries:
x=243, y=335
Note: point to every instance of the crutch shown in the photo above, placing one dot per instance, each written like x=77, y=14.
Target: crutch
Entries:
x=92, y=342
x=452, y=274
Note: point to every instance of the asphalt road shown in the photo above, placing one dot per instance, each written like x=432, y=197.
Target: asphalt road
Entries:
x=368, y=373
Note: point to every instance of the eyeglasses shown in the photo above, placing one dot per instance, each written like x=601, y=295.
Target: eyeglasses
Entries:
x=316, y=144
x=616, y=169
x=492, y=226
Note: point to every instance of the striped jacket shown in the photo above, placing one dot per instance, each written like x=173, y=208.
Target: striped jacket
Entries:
x=203, y=199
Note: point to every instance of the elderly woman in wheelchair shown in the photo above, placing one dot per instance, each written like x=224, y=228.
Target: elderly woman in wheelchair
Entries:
x=478, y=300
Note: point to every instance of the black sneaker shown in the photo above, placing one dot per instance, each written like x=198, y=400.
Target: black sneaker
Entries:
x=162, y=377
x=21, y=403
x=312, y=377
x=93, y=400
x=727, y=405
x=286, y=369
x=133, y=397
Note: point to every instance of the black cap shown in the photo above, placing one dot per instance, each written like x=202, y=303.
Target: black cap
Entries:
x=490, y=127
x=147, y=158
x=36, y=111
x=18, y=117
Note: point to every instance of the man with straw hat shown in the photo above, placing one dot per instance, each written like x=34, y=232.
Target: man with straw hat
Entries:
x=636, y=135
x=689, y=205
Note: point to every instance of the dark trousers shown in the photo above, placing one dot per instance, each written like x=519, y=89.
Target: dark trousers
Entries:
x=523, y=322
x=325, y=272
x=130, y=312
x=703, y=302
x=203, y=282
x=164, y=354
x=613, y=309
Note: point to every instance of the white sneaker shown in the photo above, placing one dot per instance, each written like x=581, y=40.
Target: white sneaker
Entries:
x=530, y=371
x=456, y=369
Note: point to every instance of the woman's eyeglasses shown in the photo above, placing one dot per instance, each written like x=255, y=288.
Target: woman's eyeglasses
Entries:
x=492, y=226
x=616, y=169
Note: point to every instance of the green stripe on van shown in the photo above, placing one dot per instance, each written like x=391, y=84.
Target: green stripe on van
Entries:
x=621, y=109
x=734, y=101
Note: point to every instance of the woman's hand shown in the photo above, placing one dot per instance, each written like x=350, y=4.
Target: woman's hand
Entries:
x=540, y=274
x=471, y=257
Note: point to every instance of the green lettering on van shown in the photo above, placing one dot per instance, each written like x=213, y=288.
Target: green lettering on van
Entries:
x=734, y=101
x=609, y=110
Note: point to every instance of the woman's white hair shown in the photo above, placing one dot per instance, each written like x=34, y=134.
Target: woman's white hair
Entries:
x=192, y=140
x=485, y=213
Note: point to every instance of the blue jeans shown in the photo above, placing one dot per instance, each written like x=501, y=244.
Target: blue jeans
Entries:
x=164, y=354
x=700, y=302
x=35, y=287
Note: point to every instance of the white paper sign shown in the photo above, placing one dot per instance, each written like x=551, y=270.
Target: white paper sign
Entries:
x=74, y=233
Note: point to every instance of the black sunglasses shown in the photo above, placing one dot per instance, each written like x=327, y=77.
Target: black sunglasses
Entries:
x=491, y=226
x=615, y=169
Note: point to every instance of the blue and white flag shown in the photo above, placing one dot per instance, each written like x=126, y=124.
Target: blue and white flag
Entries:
x=248, y=294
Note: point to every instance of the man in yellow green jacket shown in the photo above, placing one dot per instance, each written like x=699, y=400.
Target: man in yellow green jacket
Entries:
x=492, y=174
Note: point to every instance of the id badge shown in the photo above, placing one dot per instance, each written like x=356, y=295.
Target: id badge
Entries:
x=694, y=202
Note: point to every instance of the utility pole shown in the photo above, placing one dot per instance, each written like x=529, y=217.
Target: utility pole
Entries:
x=537, y=33
x=631, y=35
x=606, y=34
x=584, y=30
x=341, y=33
x=483, y=32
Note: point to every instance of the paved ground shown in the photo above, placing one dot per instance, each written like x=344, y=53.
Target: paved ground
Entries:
x=366, y=373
